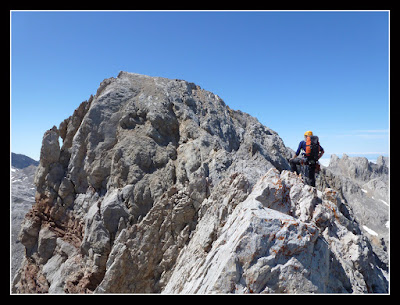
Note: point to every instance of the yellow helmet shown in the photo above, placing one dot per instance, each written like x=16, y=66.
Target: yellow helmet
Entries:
x=308, y=133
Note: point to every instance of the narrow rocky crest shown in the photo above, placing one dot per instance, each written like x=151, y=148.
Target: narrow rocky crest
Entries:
x=159, y=187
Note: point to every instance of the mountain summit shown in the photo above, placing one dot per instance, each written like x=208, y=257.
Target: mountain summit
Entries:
x=160, y=187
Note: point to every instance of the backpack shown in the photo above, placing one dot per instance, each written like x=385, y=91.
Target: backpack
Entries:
x=312, y=148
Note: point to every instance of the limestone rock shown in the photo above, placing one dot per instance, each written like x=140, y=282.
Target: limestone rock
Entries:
x=160, y=187
x=263, y=249
x=364, y=186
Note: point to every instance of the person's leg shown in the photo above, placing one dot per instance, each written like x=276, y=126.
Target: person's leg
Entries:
x=293, y=164
x=311, y=175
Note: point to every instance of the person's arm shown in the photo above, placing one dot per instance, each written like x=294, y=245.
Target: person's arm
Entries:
x=321, y=152
x=297, y=151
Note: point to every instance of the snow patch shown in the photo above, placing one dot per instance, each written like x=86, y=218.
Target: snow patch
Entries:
x=384, y=202
x=370, y=231
x=324, y=161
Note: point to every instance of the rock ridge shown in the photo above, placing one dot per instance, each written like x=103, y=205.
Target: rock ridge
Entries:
x=364, y=186
x=285, y=237
x=153, y=190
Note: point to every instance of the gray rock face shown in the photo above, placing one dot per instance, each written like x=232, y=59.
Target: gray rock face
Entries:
x=365, y=187
x=285, y=237
x=160, y=187
x=22, y=199
x=359, y=168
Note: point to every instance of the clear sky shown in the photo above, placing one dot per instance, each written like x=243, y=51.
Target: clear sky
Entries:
x=295, y=71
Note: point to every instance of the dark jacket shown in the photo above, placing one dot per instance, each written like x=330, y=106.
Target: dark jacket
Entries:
x=302, y=146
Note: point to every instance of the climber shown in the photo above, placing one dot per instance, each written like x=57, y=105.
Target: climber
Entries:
x=312, y=152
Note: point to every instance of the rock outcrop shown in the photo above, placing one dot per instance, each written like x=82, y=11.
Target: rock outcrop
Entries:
x=364, y=186
x=285, y=237
x=159, y=187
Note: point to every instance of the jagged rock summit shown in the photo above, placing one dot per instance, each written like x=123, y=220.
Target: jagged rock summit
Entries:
x=159, y=187
x=364, y=186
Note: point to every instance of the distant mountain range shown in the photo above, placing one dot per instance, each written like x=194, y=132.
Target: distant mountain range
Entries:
x=21, y=161
x=23, y=190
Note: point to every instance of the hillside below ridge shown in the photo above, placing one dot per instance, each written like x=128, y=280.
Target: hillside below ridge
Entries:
x=22, y=199
x=154, y=189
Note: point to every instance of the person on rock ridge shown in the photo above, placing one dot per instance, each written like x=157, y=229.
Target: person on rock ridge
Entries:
x=312, y=152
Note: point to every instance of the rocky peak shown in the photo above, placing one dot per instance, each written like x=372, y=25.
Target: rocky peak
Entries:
x=359, y=168
x=364, y=186
x=150, y=169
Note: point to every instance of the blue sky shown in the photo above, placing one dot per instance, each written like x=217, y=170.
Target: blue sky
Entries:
x=295, y=71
